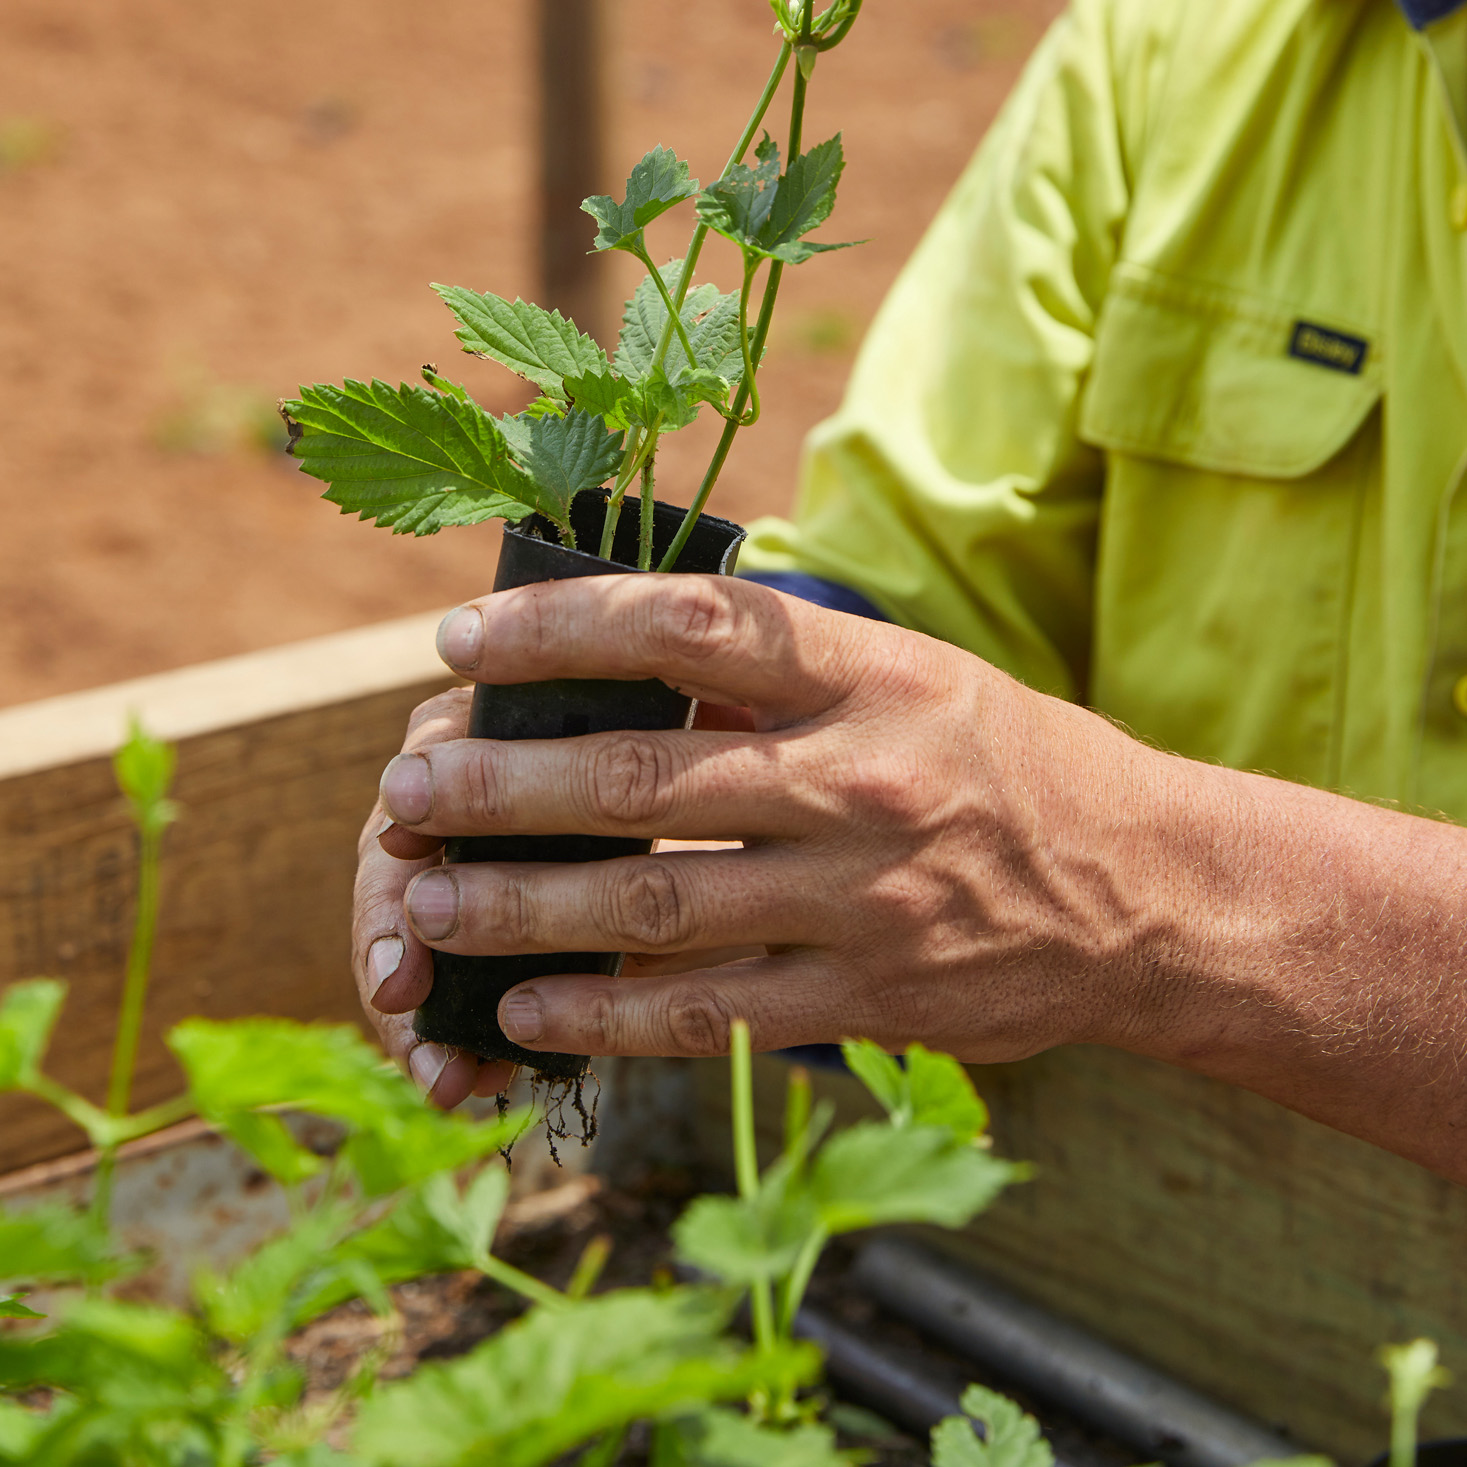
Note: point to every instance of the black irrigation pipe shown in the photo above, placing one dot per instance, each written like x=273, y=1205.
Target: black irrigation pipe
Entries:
x=1057, y=1362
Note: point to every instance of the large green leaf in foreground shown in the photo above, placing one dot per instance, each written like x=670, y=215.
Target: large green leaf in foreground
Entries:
x=409, y=458
x=559, y=1377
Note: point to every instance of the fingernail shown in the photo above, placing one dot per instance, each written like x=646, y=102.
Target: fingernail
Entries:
x=407, y=789
x=427, y=1062
x=522, y=1016
x=432, y=905
x=460, y=635
x=383, y=958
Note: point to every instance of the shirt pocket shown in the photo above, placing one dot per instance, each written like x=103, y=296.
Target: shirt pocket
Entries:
x=1215, y=379
x=1234, y=483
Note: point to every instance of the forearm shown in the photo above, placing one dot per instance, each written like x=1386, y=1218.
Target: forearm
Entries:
x=1308, y=947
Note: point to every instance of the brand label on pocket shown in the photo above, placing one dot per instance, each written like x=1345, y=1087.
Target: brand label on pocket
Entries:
x=1326, y=348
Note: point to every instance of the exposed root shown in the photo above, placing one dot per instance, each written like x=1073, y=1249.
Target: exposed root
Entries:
x=558, y=1094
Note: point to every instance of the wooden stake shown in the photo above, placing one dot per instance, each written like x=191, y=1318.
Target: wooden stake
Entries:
x=571, y=144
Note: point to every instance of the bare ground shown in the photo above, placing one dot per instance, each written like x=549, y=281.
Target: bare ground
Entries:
x=203, y=206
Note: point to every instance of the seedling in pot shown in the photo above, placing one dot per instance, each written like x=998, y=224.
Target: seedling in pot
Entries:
x=420, y=458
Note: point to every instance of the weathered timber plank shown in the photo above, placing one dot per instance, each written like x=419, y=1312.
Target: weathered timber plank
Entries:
x=1249, y=1251
x=279, y=756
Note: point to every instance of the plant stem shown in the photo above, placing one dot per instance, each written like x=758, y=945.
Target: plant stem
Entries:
x=751, y=269
x=685, y=280
x=135, y=986
x=527, y=1286
x=588, y=1267
x=674, y=316
x=746, y=1167
x=741, y=1080
x=792, y=1289
x=753, y=353
x=649, y=494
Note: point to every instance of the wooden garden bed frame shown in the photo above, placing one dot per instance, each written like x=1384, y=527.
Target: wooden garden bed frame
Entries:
x=1240, y=1247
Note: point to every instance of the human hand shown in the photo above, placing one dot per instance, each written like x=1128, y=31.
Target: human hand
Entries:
x=392, y=967
x=931, y=851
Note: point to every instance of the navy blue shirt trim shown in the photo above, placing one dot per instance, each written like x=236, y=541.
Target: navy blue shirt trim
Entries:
x=1421, y=13
x=818, y=591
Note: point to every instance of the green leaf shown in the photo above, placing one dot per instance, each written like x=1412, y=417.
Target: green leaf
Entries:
x=410, y=459
x=261, y=1290
x=658, y=183
x=743, y=1242
x=13, y=1308
x=873, y=1174
x=55, y=1244
x=144, y=767
x=21, y=1429
x=929, y=1090
x=718, y=1437
x=710, y=318
x=246, y=1065
x=431, y=1229
x=28, y=1013
x=739, y=204
x=767, y=215
x=569, y=454
x=881, y=1075
x=557, y=1378
x=1011, y=1439
x=535, y=343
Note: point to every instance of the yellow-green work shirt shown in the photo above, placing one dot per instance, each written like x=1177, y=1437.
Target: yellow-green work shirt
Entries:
x=1168, y=412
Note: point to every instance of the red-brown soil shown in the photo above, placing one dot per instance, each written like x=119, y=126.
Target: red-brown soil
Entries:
x=202, y=206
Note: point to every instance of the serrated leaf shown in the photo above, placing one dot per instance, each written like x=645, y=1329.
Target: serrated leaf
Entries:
x=268, y=1140
x=718, y=1437
x=929, y=1089
x=28, y=1013
x=557, y=1378
x=143, y=768
x=710, y=318
x=537, y=344
x=658, y=183
x=769, y=219
x=874, y=1174
x=247, y=1065
x=408, y=458
x=54, y=1244
x=1011, y=1438
x=739, y=204
x=569, y=454
x=13, y=1308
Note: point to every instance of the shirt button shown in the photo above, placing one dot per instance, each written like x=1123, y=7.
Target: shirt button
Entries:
x=1459, y=208
x=1459, y=695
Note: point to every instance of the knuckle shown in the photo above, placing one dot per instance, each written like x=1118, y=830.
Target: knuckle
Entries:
x=480, y=784
x=698, y=1022
x=443, y=716
x=601, y=1021
x=630, y=781
x=505, y=918
x=881, y=790
x=694, y=618
x=649, y=910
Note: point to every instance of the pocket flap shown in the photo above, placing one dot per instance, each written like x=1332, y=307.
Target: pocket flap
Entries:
x=1217, y=380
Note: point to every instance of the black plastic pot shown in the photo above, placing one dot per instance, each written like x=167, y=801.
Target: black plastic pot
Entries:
x=462, y=1009
x=1446, y=1451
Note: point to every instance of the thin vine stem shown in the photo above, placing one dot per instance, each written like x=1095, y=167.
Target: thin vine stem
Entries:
x=754, y=352
x=649, y=497
x=746, y=1167
x=685, y=280
x=135, y=985
x=747, y=420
